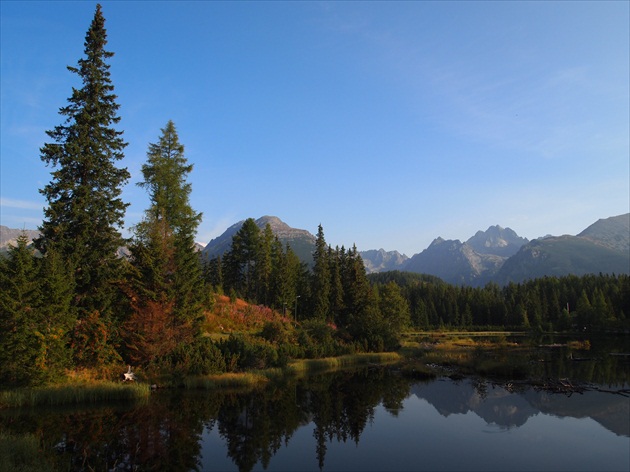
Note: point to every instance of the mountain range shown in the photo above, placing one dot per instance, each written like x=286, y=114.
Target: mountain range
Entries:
x=495, y=255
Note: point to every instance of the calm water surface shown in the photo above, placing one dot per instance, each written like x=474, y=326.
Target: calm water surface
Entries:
x=370, y=419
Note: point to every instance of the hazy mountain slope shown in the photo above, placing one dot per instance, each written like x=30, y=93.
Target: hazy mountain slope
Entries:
x=563, y=255
x=474, y=262
x=613, y=232
x=381, y=260
x=454, y=262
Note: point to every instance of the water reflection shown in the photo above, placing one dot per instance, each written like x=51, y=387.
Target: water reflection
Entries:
x=371, y=419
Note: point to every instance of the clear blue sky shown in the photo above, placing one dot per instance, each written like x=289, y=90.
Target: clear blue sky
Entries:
x=389, y=123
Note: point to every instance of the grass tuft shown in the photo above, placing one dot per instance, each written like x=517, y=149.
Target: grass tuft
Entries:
x=73, y=394
x=231, y=380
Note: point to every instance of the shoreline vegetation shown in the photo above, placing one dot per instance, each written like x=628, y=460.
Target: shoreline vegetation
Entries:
x=96, y=391
x=422, y=356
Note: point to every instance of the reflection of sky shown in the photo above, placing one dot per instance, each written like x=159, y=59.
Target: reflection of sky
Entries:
x=420, y=438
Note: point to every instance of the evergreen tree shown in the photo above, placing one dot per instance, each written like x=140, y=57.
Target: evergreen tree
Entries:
x=57, y=318
x=239, y=263
x=20, y=343
x=336, y=285
x=394, y=311
x=168, y=290
x=321, y=277
x=84, y=208
x=213, y=273
x=264, y=266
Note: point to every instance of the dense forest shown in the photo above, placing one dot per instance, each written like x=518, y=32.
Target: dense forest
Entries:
x=72, y=301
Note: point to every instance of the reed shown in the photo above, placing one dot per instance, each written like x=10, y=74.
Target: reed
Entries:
x=73, y=394
x=21, y=454
x=349, y=360
x=229, y=380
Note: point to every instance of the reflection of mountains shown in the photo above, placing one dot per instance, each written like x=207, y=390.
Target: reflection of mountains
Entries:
x=496, y=405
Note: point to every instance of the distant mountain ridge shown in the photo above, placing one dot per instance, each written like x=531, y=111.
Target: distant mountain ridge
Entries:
x=496, y=255
x=500, y=255
x=603, y=247
x=381, y=260
x=300, y=240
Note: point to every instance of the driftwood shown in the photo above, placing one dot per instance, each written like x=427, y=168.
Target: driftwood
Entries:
x=561, y=386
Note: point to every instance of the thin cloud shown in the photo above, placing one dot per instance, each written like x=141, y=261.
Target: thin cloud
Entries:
x=20, y=204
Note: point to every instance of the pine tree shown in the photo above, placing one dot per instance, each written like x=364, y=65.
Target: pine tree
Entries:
x=336, y=286
x=239, y=263
x=20, y=342
x=56, y=316
x=84, y=208
x=264, y=266
x=321, y=277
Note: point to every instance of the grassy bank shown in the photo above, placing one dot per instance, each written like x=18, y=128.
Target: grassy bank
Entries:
x=333, y=363
x=73, y=394
x=294, y=368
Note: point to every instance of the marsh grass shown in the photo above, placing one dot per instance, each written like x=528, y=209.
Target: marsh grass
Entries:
x=229, y=380
x=21, y=454
x=349, y=360
x=491, y=355
x=74, y=394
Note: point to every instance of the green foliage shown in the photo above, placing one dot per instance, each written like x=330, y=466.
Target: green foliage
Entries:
x=21, y=342
x=321, y=278
x=201, y=357
x=84, y=208
x=319, y=339
x=92, y=341
x=247, y=352
x=278, y=332
x=35, y=316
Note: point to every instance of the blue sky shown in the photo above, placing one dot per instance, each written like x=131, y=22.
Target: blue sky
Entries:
x=389, y=123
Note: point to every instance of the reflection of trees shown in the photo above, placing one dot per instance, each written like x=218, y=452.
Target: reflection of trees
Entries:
x=342, y=405
x=165, y=432
x=256, y=425
x=161, y=434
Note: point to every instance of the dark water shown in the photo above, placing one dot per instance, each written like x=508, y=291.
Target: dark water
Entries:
x=370, y=419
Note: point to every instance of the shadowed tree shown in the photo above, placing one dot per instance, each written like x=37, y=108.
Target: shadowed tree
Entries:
x=85, y=211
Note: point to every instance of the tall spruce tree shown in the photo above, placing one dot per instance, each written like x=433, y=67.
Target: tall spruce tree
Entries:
x=168, y=288
x=85, y=211
x=321, y=277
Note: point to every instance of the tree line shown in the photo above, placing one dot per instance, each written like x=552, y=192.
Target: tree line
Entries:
x=589, y=303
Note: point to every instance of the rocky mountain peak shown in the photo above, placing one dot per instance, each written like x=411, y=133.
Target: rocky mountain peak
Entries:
x=497, y=241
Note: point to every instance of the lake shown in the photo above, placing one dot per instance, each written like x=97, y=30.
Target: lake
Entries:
x=365, y=419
